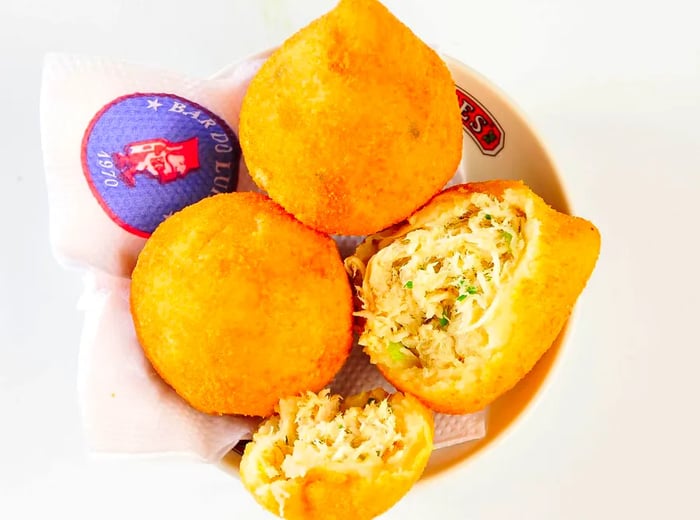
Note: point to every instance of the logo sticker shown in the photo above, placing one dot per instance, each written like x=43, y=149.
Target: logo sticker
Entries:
x=147, y=156
x=478, y=122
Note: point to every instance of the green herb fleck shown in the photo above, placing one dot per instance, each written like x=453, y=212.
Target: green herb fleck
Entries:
x=488, y=217
x=409, y=284
x=396, y=351
x=507, y=236
x=468, y=290
x=444, y=320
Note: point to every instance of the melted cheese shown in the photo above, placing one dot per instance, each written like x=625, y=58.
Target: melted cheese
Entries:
x=427, y=294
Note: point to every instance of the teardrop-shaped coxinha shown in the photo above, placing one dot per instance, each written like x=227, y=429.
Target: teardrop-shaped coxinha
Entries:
x=352, y=124
x=461, y=300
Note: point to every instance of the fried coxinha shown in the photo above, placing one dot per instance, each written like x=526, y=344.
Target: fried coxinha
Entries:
x=322, y=456
x=237, y=304
x=461, y=300
x=352, y=124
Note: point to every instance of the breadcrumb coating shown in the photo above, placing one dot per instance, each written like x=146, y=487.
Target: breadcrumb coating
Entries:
x=237, y=304
x=353, y=123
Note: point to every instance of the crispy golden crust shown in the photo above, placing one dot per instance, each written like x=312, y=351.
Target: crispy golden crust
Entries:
x=324, y=494
x=236, y=304
x=352, y=124
x=531, y=309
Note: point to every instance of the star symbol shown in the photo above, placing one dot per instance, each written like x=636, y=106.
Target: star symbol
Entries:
x=154, y=104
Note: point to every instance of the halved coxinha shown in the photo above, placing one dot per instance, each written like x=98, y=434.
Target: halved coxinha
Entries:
x=322, y=456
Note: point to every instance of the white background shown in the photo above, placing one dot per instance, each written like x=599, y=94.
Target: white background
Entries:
x=614, y=89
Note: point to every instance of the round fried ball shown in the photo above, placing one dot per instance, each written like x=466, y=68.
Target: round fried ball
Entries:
x=237, y=304
x=323, y=457
x=353, y=123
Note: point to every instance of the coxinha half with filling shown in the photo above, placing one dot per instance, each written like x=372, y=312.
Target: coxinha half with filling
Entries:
x=323, y=457
x=461, y=300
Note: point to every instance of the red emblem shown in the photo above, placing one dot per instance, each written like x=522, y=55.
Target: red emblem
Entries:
x=480, y=124
x=164, y=160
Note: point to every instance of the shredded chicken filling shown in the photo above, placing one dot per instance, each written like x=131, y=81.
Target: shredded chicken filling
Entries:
x=428, y=293
x=318, y=431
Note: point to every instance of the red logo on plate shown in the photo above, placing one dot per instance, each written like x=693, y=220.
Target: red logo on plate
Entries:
x=480, y=124
x=164, y=160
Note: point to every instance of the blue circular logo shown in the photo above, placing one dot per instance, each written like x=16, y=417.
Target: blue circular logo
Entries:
x=146, y=156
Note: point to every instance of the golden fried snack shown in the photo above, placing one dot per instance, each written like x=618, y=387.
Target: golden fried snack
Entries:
x=353, y=123
x=323, y=457
x=237, y=304
x=462, y=299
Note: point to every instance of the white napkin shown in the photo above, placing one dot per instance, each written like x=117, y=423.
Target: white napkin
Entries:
x=127, y=408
